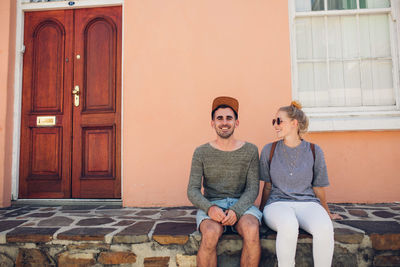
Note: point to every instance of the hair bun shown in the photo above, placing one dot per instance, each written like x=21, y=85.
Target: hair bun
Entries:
x=296, y=104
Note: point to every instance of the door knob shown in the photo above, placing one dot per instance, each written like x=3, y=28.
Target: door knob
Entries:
x=75, y=92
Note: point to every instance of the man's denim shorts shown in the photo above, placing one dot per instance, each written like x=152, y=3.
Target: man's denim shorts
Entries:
x=226, y=203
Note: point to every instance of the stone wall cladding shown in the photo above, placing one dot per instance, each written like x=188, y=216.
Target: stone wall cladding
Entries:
x=167, y=237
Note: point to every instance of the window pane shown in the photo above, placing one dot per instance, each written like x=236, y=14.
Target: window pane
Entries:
x=374, y=3
x=309, y=33
x=342, y=4
x=336, y=88
x=383, y=82
x=309, y=5
x=374, y=36
x=377, y=82
x=321, y=85
x=349, y=37
x=334, y=38
x=352, y=83
x=303, y=38
x=306, y=84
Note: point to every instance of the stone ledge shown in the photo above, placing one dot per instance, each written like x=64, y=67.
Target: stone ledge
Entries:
x=101, y=235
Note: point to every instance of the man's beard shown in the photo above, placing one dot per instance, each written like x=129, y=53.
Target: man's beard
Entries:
x=225, y=135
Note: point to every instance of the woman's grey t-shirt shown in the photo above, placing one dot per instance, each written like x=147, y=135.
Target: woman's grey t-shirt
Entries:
x=293, y=183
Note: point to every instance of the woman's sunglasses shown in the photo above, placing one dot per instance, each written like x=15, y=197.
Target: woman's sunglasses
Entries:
x=277, y=120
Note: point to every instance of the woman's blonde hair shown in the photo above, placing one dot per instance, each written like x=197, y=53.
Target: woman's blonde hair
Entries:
x=294, y=112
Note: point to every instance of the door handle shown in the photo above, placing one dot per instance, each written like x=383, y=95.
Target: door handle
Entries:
x=76, y=92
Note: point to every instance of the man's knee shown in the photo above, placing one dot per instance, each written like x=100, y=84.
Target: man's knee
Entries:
x=249, y=227
x=210, y=232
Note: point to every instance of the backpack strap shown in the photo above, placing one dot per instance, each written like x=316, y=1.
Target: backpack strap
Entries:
x=271, y=153
x=312, y=146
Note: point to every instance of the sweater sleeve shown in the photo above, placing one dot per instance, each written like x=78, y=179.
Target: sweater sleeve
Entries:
x=264, y=164
x=250, y=193
x=194, y=187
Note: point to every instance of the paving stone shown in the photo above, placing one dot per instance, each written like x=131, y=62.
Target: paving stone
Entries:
x=136, y=233
x=56, y=221
x=75, y=212
x=183, y=219
x=348, y=236
x=179, y=208
x=85, y=234
x=6, y=225
x=384, y=214
x=147, y=212
x=335, y=208
x=79, y=207
x=387, y=260
x=47, y=209
x=172, y=214
x=71, y=259
x=31, y=234
x=173, y=233
x=94, y=221
x=110, y=207
x=33, y=257
x=156, y=262
x=114, y=212
x=374, y=227
x=124, y=223
x=383, y=205
x=116, y=257
x=16, y=213
x=358, y=213
x=29, y=224
x=385, y=241
x=40, y=215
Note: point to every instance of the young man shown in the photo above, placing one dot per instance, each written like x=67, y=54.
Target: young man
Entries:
x=229, y=169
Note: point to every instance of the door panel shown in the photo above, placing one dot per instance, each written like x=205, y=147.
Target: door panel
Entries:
x=97, y=125
x=45, y=155
x=79, y=155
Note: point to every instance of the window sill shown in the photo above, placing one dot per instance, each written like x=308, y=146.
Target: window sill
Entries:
x=353, y=121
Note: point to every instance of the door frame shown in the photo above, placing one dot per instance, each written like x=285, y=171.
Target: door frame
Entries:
x=22, y=7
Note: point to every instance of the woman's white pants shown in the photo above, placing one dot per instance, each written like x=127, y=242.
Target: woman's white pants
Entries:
x=286, y=217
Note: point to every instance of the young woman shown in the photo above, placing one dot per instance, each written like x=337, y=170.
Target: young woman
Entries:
x=295, y=178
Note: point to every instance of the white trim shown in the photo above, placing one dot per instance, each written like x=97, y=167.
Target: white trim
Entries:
x=342, y=12
x=374, y=122
x=19, y=43
x=65, y=5
x=352, y=118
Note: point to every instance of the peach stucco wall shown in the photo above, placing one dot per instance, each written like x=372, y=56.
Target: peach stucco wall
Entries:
x=179, y=55
x=7, y=49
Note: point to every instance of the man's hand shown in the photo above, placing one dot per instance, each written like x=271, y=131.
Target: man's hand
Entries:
x=216, y=214
x=230, y=218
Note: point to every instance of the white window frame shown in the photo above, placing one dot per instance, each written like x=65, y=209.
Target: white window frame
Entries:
x=324, y=119
x=25, y=6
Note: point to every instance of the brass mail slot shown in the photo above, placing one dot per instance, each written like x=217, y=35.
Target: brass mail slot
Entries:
x=46, y=120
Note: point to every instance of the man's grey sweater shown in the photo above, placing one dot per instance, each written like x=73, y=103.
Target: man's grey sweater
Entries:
x=226, y=174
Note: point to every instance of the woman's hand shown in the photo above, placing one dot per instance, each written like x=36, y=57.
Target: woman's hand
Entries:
x=335, y=216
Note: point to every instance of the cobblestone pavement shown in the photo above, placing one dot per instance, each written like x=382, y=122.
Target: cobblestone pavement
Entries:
x=114, y=224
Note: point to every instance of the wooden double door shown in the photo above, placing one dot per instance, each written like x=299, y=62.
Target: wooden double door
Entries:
x=71, y=104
